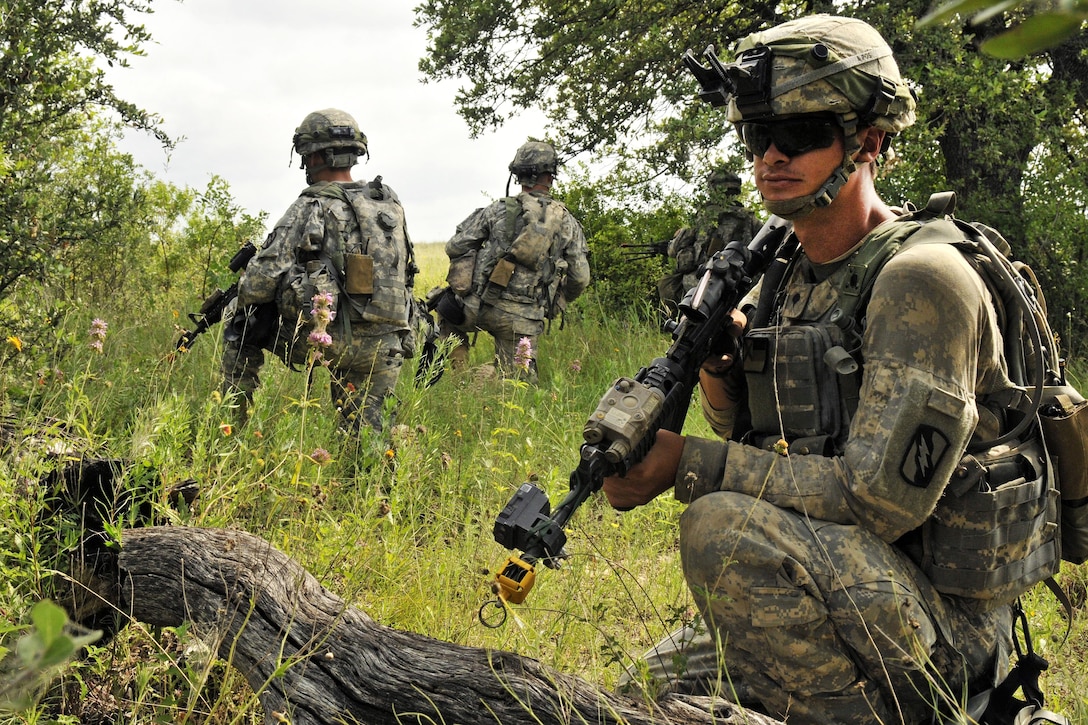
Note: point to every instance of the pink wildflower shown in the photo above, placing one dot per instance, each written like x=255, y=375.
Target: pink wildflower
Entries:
x=98, y=334
x=321, y=457
x=320, y=339
x=523, y=354
x=576, y=366
x=322, y=314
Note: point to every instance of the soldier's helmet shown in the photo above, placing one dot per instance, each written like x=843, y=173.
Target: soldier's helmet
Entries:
x=533, y=159
x=723, y=180
x=333, y=131
x=820, y=64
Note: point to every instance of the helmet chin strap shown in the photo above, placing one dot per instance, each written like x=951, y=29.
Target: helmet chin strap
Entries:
x=791, y=209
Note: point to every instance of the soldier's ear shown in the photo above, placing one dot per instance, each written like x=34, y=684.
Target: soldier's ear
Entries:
x=872, y=142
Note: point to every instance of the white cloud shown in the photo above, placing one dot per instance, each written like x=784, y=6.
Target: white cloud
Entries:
x=235, y=77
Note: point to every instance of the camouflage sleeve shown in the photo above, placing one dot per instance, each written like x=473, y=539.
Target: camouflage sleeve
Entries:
x=576, y=255
x=931, y=336
x=470, y=234
x=301, y=227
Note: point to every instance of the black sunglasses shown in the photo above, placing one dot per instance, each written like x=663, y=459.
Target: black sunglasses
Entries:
x=792, y=137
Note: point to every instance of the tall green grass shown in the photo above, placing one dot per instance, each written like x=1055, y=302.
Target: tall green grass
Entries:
x=399, y=526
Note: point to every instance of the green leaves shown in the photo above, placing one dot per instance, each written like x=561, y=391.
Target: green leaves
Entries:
x=1035, y=34
x=40, y=653
x=1038, y=32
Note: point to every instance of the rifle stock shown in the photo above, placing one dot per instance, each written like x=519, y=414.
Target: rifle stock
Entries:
x=623, y=428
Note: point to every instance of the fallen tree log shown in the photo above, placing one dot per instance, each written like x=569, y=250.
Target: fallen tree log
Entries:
x=311, y=658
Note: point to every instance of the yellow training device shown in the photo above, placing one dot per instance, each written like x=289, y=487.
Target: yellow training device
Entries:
x=515, y=580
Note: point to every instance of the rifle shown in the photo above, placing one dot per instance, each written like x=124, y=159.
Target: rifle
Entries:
x=622, y=429
x=211, y=311
x=649, y=250
x=432, y=357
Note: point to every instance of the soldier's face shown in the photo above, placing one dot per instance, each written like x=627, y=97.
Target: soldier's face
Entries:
x=800, y=168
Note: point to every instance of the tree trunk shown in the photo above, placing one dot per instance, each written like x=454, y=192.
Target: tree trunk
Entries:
x=314, y=659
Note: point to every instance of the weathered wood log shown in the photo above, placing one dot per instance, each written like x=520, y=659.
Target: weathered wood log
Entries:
x=314, y=659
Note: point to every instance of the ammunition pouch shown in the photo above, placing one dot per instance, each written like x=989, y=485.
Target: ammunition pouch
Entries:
x=994, y=532
x=820, y=375
x=459, y=276
x=1064, y=421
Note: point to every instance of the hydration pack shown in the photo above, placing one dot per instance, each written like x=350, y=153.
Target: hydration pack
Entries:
x=524, y=266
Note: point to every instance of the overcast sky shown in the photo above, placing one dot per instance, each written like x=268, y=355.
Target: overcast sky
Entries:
x=236, y=77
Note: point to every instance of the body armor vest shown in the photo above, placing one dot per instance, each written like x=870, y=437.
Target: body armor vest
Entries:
x=372, y=269
x=994, y=532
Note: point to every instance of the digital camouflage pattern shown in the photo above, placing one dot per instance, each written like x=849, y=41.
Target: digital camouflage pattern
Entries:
x=714, y=226
x=527, y=258
x=825, y=621
x=371, y=334
x=804, y=562
x=804, y=80
x=330, y=128
x=533, y=159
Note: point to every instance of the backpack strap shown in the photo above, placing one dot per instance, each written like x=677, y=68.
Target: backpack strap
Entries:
x=513, y=208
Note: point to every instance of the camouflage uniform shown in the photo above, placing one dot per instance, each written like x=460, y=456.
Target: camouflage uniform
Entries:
x=722, y=220
x=806, y=567
x=803, y=563
x=365, y=363
x=556, y=273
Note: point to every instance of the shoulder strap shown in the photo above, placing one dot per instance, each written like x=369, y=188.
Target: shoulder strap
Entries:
x=513, y=208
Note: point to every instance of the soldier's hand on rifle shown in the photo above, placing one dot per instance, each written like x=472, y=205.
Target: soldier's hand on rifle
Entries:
x=650, y=477
x=719, y=378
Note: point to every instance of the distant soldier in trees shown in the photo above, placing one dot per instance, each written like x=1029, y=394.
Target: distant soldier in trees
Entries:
x=721, y=220
x=332, y=283
x=513, y=265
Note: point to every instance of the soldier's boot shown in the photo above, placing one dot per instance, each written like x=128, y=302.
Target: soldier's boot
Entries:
x=459, y=357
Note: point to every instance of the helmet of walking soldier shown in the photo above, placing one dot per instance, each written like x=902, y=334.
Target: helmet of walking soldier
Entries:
x=333, y=131
x=723, y=180
x=820, y=64
x=534, y=159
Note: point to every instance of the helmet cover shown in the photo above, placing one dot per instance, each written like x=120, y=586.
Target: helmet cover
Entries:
x=330, y=129
x=820, y=64
x=533, y=159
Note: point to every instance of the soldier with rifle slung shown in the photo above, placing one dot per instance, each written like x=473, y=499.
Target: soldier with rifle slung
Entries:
x=722, y=219
x=340, y=251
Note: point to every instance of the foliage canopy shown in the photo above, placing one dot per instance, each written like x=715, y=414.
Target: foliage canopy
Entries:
x=51, y=85
x=1006, y=135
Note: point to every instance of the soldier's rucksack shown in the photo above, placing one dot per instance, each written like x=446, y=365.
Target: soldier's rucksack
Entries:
x=369, y=281
x=525, y=266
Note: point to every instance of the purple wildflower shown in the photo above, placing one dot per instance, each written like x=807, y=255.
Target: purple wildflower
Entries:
x=98, y=334
x=320, y=338
x=523, y=354
x=321, y=314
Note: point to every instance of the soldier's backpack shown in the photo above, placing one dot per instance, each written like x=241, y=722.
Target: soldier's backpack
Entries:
x=370, y=282
x=525, y=266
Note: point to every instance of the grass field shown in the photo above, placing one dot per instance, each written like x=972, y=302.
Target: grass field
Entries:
x=410, y=543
